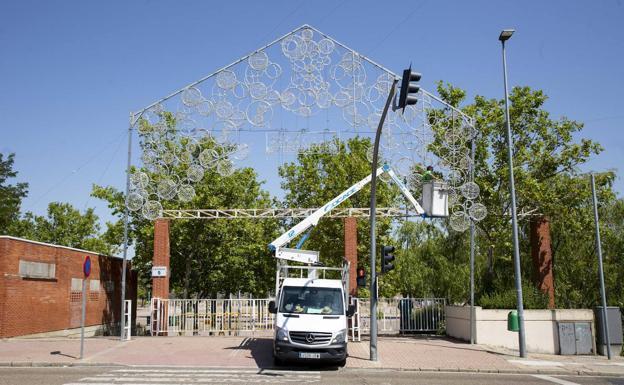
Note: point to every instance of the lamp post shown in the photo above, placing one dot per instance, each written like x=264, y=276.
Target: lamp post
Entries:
x=504, y=36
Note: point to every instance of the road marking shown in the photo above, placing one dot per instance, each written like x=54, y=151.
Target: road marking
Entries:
x=535, y=362
x=198, y=376
x=555, y=380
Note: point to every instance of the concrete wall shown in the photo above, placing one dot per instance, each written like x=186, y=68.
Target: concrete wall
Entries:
x=31, y=305
x=542, y=334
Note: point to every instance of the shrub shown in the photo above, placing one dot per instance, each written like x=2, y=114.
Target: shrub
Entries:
x=532, y=298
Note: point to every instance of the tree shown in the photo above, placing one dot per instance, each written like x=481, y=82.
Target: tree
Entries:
x=11, y=195
x=432, y=261
x=65, y=226
x=546, y=159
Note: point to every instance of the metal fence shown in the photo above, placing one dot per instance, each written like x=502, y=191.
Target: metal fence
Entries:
x=210, y=316
x=251, y=316
x=403, y=315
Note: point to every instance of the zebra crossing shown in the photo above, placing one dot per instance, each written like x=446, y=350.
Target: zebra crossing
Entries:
x=184, y=376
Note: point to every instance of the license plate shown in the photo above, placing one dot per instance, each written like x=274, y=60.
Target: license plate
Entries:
x=309, y=355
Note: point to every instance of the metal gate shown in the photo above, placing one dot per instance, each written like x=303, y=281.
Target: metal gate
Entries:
x=251, y=316
x=210, y=316
x=403, y=315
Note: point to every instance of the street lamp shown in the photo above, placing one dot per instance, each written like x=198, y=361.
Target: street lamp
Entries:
x=504, y=36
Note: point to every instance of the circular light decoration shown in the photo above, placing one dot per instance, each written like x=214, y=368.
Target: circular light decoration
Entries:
x=470, y=190
x=258, y=61
x=135, y=201
x=225, y=167
x=477, y=211
x=168, y=157
x=290, y=93
x=166, y=188
x=226, y=79
x=152, y=210
x=186, y=193
x=459, y=221
x=192, y=97
x=139, y=180
x=195, y=173
x=208, y=157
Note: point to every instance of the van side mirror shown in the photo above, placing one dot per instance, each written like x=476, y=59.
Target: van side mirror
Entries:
x=272, y=307
x=350, y=310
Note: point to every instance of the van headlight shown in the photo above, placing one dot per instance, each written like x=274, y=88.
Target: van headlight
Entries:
x=281, y=334
x=340, y=337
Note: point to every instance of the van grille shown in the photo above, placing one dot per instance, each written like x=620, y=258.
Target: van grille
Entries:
x=310, y=338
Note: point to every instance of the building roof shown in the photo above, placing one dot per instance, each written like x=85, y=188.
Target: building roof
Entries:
x=56, y=246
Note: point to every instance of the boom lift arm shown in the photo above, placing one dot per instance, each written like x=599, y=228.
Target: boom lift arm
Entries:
x=314, y=218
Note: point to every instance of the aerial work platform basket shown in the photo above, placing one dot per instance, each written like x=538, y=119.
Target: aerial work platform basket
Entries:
x=435, y=199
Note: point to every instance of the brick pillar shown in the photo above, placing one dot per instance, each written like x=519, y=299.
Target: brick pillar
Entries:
x=541, y=253
x=160, y=285
x=350, y=251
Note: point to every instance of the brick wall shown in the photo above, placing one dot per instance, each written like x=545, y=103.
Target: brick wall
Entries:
x=160, y=285
x=39, y=305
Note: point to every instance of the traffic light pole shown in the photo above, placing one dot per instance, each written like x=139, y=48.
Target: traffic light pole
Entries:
x=373, y=287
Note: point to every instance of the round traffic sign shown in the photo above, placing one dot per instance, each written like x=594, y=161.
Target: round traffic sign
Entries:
x=86, y=266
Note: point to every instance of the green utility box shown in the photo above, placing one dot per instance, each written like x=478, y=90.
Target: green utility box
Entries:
x=512, y=321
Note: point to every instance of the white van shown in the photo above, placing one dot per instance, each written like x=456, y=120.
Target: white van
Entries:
x=311, y=321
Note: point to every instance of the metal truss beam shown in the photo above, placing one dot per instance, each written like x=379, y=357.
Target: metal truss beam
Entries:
x=387, y=212
x=393, y=212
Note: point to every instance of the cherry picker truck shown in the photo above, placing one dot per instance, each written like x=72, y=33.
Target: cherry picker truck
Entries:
x=312, y=311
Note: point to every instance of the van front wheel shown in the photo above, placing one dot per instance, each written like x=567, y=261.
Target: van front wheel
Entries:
x=277, y=361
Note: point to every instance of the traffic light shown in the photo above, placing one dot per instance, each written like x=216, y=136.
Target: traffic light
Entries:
x=361, y=277
x=409, y=89
x=387, y=257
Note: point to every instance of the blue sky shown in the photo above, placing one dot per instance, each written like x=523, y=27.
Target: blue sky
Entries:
x=71, y=71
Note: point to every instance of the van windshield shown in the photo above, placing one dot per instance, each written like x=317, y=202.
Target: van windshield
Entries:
x=311, y=300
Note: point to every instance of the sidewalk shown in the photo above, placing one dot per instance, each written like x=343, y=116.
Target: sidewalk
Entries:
x=425, y=354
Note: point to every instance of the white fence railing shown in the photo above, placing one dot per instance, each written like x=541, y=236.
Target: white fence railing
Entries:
x=251, y=316
x=127, y=333
x=210, y=316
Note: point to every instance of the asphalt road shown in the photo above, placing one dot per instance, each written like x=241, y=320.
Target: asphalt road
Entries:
x=184, y=376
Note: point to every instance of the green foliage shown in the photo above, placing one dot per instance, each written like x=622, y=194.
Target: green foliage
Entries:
x=63, y=225
x=576, y=261
x=547, y=152
x=11, y=195
x=532, y=298
x=431, y=262
x=66, y=226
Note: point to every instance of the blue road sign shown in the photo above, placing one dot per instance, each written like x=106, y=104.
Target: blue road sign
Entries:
x=86, y=266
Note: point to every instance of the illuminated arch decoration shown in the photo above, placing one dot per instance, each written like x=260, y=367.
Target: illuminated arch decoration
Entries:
x=297, y=94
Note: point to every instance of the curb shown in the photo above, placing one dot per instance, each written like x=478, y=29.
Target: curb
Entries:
x=552, y=372
x=44, y=364
x=585, y=373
